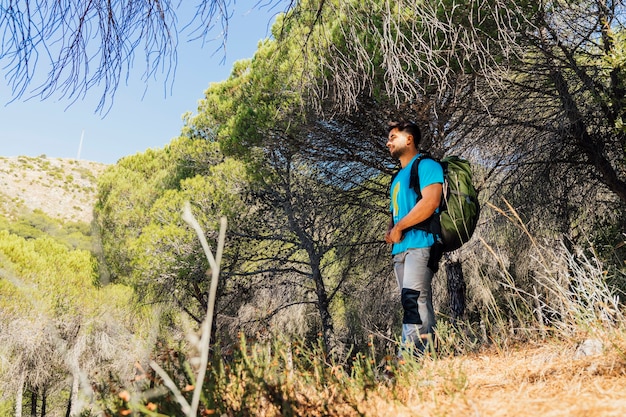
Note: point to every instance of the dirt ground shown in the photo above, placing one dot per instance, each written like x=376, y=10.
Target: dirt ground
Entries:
x=549, y=380
x=61, y=188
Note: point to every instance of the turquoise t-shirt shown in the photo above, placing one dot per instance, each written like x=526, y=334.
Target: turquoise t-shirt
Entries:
x=403, y=199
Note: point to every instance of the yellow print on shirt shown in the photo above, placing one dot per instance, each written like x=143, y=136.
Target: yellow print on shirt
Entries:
x=394, y=198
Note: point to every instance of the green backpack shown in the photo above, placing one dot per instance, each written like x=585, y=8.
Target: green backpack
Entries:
x=459, y=209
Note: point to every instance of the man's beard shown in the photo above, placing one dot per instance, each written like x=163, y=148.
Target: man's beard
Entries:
x=398, y=152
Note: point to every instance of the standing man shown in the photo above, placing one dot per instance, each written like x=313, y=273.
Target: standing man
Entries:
x=411, y=247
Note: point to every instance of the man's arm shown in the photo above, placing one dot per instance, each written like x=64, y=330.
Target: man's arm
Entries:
x=431, y=197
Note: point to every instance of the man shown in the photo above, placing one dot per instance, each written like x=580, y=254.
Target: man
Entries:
x=412, y=247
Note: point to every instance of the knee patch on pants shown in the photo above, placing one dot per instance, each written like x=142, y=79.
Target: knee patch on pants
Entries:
x=409, y=304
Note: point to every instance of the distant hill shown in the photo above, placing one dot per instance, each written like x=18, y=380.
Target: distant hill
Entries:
x=62, y=188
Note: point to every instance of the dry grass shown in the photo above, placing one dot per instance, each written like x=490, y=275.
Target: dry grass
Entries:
x=542, y=381
x=545, y=380
x=533, y=380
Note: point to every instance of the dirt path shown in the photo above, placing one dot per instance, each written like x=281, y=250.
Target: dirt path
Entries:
x=534, y=381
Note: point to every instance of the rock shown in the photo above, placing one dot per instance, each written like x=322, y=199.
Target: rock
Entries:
x=589, y=347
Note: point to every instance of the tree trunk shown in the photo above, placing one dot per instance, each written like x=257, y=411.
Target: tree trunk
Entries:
x=44, y=398
x=19, y=397
x=68, y=411
x=72, y=403
x=322, y=306
x=594, y=149
x=33, y=402
x=456, y=289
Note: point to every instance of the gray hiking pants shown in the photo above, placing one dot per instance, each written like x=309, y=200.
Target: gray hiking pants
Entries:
x=415, y=284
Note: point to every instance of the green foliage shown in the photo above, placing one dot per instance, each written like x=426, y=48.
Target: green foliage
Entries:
x=7, y=408
x=287, y=214
x=54, y=319
x=125, y=193
x=257, y=104
x=42, y=263
x=216, y=110
x=145, y=241
x=37, y=224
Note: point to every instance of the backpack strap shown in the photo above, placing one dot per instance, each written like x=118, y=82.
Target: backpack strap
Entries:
x=414, y=178
x=432, y=224
x=414, y=181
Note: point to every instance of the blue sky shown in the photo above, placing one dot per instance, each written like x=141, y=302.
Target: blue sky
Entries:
x=139, y=119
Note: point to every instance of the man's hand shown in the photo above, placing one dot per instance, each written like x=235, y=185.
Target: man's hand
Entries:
x=431, y=196
x=394, y=235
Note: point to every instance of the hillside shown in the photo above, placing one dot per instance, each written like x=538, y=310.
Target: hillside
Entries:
x=61, y=188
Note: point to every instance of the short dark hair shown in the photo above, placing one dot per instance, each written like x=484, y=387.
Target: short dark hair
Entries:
x=409, y=127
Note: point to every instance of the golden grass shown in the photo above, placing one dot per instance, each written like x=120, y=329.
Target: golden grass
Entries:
x=547, y=380
x=531, y=380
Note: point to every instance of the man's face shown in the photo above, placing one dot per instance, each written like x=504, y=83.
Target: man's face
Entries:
x=398, y=142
